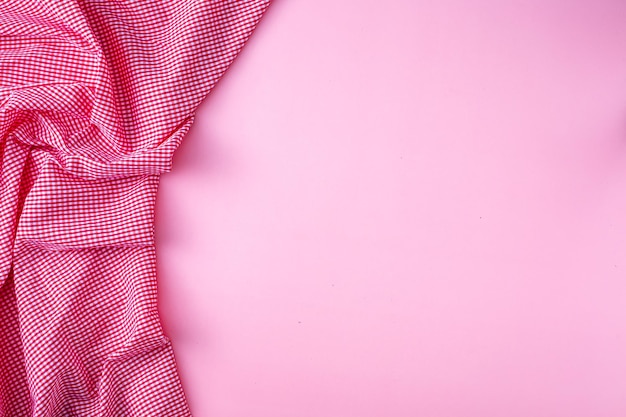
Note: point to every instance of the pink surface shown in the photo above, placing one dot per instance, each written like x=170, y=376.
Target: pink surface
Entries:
x=407, y=208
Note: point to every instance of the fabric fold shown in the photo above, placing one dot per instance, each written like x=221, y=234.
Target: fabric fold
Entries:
x=95, y=98
x=110, y=88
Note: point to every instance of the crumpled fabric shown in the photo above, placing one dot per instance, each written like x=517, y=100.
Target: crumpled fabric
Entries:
x=95, y=97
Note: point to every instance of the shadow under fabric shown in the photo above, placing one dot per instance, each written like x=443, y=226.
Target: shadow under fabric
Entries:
x=95, y=97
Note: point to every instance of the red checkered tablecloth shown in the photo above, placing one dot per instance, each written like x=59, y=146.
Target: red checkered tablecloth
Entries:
x=95, y=97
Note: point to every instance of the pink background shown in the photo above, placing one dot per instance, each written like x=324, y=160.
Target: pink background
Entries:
x=406, y=208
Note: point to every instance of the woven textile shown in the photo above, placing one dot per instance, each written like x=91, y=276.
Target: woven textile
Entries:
x=95, y=97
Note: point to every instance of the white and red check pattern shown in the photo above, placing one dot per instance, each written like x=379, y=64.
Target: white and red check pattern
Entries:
x=95, y=97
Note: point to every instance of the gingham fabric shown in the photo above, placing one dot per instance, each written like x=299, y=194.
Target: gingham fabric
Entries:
x=95, y=96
